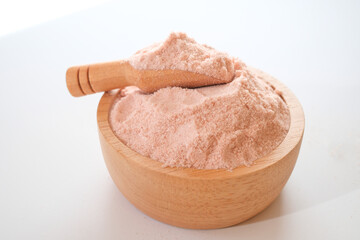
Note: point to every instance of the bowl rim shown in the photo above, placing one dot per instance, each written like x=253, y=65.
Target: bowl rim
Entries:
x=293, y=137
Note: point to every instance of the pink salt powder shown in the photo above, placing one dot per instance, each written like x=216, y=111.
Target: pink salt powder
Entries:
x=183, y=53
x=223, y=126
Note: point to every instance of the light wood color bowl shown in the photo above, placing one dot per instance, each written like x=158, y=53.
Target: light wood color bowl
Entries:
x=201, y=199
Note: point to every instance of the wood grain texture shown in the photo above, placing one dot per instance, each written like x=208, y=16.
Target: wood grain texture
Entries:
x=201, y=199
x=101, y=77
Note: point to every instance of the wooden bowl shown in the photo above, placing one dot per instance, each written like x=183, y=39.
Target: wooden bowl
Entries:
x=200, y=199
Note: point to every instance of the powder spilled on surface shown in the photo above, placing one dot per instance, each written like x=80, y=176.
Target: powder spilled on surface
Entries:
x=222, y=126
x=183, y=53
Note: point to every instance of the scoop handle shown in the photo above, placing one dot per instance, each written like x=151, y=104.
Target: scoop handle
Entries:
x=99, y=77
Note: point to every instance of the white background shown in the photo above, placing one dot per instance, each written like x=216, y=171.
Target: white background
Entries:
x=16, y=15
x=53, y=181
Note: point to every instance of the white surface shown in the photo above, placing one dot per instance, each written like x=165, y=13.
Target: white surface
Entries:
x=53, y=181
x=19, y=14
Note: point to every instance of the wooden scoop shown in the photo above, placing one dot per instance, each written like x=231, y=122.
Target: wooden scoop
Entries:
x=89, y=79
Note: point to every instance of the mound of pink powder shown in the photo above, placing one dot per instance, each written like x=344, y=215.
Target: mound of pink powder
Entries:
x=223, y=126
x=180, y=52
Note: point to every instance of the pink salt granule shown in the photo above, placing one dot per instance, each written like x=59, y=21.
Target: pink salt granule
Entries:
x=180, y=52
x=215, y=127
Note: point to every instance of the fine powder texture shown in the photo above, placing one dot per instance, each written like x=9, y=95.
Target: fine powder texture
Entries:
x=183, y=53
x=222, y=126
